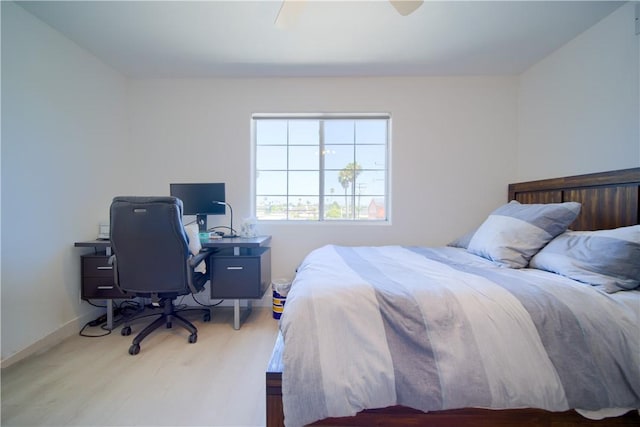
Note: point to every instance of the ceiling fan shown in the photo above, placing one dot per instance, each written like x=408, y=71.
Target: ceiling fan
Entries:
x=290, y=10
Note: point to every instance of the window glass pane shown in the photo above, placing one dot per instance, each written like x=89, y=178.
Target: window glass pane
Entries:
x=304, y=158
x=372, y=208
x=371, y=132
x=334, y=208
x=303, y=208
x=304, y=132
x=271, y=132
x=332, y=185
x=361, y=208
x=336, y=183
x=338, y=131
x=271, y=183
x=367, y=204
x=371, y=156
x=371, y=183
x=304, y=183
x=271, y=157
x=271, y=207
x=337, y=156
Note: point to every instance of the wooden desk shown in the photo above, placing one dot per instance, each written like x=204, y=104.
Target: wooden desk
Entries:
x=99, y=245
x=240, y=268
x=239, y=242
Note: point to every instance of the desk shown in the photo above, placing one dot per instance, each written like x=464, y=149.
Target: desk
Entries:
x=239, y=268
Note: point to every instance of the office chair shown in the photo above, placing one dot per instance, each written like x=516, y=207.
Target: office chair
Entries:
x=151, y=259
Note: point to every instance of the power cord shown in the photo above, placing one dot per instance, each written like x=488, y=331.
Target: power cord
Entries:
x=99, y=321
x=205, y=305
x=93, y=324
x=221, y=233
x=118, y=314
x=121, y=311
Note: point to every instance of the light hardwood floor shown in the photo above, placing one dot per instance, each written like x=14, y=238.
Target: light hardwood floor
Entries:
x=218, y=381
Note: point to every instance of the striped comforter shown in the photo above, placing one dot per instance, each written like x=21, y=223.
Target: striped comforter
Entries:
x=439, y=328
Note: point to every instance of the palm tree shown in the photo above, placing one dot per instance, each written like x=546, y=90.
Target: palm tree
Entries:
x=347, y=177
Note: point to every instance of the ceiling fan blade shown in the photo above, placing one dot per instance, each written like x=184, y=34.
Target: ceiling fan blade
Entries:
x=289, y=13
x=406, y=7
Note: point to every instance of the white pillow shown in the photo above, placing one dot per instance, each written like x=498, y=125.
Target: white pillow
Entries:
x=514, y=232
x=607, y=258
x=194, y=244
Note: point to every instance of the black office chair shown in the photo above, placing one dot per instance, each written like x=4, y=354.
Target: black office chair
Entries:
x=151, y=259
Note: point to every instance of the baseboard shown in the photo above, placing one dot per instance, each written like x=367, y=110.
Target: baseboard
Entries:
x=56, y=337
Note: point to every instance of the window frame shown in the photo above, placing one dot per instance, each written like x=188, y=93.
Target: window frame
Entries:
x=321, y=167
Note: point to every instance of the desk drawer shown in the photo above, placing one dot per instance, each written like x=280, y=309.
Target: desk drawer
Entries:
x=100, y=288
x=235, y=277
x=96, y=266
x=97, y=278
x=240, y=277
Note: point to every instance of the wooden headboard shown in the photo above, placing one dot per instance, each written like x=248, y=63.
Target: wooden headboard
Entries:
x=609, y=199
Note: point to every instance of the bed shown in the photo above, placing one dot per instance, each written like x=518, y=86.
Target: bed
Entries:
x=481, y=338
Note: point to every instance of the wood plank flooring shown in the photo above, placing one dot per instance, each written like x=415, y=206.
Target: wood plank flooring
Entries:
x=218, y=381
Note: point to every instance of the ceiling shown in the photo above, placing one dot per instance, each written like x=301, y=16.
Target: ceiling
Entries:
x=331, y=38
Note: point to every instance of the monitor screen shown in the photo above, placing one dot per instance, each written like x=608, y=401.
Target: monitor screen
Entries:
x=198, y=199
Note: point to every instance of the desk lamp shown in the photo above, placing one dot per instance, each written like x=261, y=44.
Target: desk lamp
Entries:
x=231, y=232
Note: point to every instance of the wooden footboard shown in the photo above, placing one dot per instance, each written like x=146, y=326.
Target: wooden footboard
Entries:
x=275, y=414
x=399, y=416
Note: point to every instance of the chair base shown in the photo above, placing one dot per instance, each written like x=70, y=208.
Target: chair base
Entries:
x=167, y=318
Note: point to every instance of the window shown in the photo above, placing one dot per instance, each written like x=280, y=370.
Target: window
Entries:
x=321, y=167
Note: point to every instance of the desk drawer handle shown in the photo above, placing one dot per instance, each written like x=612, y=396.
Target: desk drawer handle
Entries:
x=104, y=288
x=235, y=268
x=108, y=267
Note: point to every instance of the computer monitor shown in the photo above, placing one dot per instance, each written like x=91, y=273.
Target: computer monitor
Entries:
x=200, y=199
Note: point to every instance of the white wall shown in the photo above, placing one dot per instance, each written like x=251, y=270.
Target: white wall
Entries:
x=453, y=148
x=63, y=134
x=579, y=107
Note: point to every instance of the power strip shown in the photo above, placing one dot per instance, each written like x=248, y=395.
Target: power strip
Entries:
x=99, y=321
x=103, y=318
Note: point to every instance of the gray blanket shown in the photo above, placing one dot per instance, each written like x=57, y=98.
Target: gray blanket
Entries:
x=437, y=329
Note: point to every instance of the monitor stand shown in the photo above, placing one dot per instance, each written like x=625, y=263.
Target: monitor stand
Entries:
x=202, y=223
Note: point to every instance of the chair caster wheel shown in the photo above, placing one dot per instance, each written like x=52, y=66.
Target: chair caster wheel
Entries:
x=134, y=349
x=193, y=338
x=126, y=331
x=169, y=325
x=207, y=317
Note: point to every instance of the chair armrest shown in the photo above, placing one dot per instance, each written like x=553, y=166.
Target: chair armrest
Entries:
x=192, y=262
x=114, y=263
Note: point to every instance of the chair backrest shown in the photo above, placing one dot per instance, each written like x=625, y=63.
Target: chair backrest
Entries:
x=149, y=244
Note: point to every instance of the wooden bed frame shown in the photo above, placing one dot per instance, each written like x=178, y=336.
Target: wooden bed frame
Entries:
x=609, y=200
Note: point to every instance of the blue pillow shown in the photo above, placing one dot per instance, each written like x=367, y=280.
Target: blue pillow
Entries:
x=514, y=232
x=606, y=258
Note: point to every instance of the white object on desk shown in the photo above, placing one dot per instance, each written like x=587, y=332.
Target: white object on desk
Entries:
x=103, y=230
x=249, y=227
